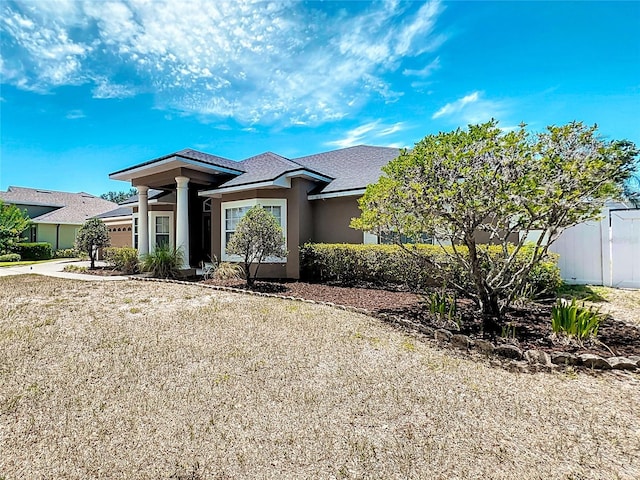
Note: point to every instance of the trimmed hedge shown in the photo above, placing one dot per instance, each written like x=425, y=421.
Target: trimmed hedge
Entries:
x=34, y=251
x=10, y=257
x=350, y=264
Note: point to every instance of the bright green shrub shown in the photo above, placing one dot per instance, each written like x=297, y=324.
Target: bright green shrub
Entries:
x=34, y=251
x=10, y=257
x=124, y=259
x=426, y=266
x=66, y=253
x=163, y=262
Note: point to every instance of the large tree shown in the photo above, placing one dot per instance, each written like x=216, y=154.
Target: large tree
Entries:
x=13, y=222
x=93, y=234
x=508, y=187
x=257, y=237
x=119, y=197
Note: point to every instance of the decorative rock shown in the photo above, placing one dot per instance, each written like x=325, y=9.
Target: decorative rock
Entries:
x=442, y=335
x=635, y=359
x=461, y=341
x=509, y=351
x=484, y=346
x=621, y=363
x=426, y=330
x=564, y=358
x=538, y=357
x=590, y=360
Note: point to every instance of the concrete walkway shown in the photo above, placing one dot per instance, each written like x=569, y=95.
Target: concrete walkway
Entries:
x=54, y=269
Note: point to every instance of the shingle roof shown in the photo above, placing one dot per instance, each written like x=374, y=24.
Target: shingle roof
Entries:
x=190, y=154
x=152, y=194
x=118, y=212
x=352, y=168
x=262, y=168
x=73, y=208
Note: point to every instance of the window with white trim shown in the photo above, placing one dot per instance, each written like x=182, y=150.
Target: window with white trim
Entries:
x=161, y=230
x=232, y=213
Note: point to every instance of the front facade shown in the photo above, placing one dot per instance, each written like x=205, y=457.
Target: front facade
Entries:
x=55, y=216
x=194, y=201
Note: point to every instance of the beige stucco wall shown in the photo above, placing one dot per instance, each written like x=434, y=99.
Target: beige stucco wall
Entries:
x=331, y=219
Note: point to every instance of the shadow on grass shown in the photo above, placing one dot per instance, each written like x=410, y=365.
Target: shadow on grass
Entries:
x=580, y=292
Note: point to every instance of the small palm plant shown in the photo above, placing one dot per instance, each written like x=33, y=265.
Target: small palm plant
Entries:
x=163, y=262
x=575, y=320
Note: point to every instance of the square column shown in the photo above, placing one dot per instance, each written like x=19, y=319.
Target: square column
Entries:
x=143, y=220
x=182, y=220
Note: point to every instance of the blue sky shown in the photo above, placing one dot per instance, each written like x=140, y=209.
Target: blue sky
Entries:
x=92, y=87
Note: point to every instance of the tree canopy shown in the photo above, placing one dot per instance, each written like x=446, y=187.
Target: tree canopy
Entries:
x=119, y=197
x=13, y=222
x=257, y=237
x=483, y=185
x=93, y=234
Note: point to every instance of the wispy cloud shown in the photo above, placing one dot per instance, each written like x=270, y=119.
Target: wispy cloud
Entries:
x=472, y=108
x=366, y=132
x=74, y=115
x=285, y=61
x=426, y=71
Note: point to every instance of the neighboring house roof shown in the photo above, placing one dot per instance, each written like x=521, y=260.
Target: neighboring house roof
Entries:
x=352, y=168
x=118, y=212
x=152, y=194
x=70, y=208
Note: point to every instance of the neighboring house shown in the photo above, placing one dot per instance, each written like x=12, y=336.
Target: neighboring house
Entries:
x=194, y=200
x=55, y=216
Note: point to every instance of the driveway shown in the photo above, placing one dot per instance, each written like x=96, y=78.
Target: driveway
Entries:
x=54, y=269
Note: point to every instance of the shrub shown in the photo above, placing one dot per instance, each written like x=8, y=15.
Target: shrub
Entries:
x=228, y=271
x=10, y=257
x=427, y=266
x=66, y=253
x=163, y=262
x=75, y=269
x=93, y=234
x=34, y=251
x=124, y=259
x=573, y=320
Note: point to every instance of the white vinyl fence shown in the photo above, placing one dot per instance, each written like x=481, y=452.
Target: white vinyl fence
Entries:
x=605, y=252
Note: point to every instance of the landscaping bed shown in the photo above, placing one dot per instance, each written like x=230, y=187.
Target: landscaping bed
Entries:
x=529, y=325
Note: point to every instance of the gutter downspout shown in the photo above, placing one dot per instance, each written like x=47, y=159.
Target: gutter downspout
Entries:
x=57, y=236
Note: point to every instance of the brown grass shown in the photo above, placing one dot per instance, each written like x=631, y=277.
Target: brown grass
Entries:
x=149, y=380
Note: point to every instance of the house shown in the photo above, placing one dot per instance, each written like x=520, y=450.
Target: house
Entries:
x=194, y=200
x=55, y=216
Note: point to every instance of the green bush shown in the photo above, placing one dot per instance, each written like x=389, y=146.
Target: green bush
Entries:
x=163, y=262
x=573, y=320
x=66, y=253
x=10, y=257
x=34, y=251
x=124, y=259
x=427, y=266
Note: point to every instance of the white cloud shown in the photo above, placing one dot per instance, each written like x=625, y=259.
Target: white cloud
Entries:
x=75, y=114
x=365, y=133
x=472, y=108
x=282, y=61
x=426, y=71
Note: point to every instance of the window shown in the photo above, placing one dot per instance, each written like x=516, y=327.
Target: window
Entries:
x=206, y=205
x=162, y=231
x=232, y=212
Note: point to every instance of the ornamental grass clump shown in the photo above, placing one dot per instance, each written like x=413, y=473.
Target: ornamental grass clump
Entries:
x=163, y=262
x=573, y=320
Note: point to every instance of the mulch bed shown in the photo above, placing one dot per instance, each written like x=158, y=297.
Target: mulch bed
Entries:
x=531, y=323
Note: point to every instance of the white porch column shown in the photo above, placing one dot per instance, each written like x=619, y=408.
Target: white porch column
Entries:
x=143, y=220
x=182, y=221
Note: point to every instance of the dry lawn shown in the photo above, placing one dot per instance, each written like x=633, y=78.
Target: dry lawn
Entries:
x=151, y=380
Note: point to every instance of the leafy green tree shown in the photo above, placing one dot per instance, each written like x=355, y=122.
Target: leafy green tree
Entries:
x=119, y=197
x=257, y=237
x=467, y=187
x=93, y=234
x=13, y=222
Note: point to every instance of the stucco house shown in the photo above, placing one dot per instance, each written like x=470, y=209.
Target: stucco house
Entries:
x=194, y=200
x=55, y=216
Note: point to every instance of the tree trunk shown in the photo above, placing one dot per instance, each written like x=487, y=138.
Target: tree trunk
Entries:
x=92, y=257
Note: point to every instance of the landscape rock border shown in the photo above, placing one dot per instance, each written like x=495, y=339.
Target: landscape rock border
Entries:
x=529, y=360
